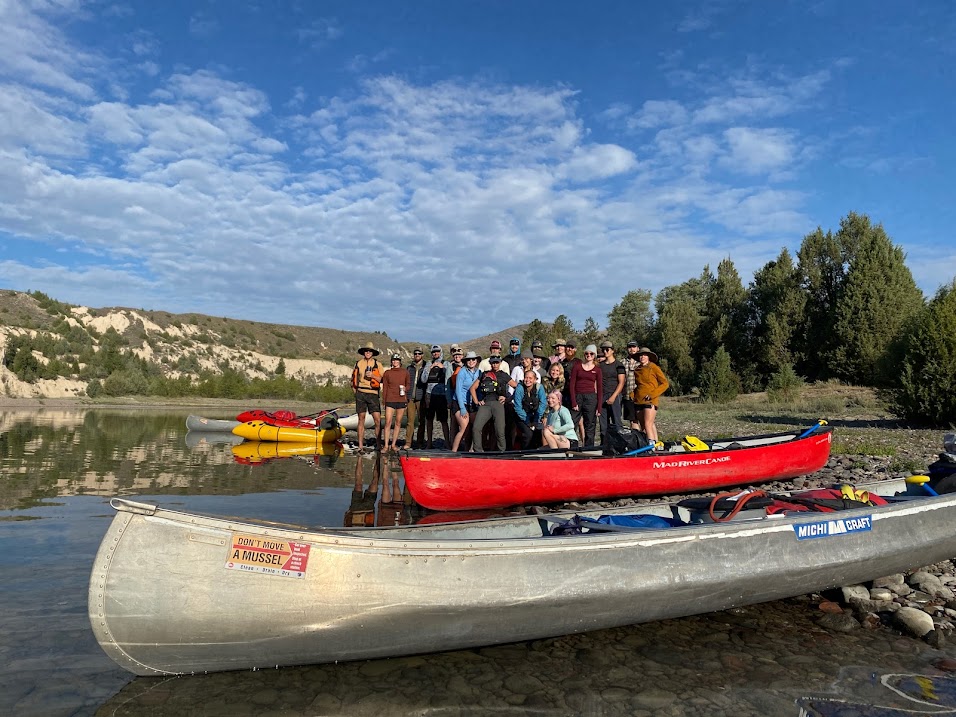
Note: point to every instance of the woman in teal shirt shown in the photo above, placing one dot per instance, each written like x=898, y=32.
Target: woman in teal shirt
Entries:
x=558, y=426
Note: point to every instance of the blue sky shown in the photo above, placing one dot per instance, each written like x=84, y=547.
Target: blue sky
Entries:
x=440, y=170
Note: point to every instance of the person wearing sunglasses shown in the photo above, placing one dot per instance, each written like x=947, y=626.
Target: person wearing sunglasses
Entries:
x=414, y=401
x=586, y=389
x=613, y=380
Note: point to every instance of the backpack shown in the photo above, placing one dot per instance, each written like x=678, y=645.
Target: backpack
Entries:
x=621, y=440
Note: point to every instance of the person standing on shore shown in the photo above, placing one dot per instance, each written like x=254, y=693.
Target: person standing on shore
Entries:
x=628, y=408
x=613, y=380
x=396, y=385
x=467, y=408
x=414, y=401
x=366, y=381
x=650, y=383
x=490, y=392
x=435, y=378
x=586, y=391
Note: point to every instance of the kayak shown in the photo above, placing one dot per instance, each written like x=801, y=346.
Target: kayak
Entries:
x=262, y=451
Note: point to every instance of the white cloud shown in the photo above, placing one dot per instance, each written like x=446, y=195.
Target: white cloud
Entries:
x=755, y=151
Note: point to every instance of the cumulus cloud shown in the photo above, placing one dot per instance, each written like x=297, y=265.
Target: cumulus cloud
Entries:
x=419, y=208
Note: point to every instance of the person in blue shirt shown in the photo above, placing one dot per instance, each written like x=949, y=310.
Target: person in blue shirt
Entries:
x=467, y=408
x=529, y=403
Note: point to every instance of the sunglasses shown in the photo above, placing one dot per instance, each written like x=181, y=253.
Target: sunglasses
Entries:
x=418, y=353
x=589, y=353
x=607, y=348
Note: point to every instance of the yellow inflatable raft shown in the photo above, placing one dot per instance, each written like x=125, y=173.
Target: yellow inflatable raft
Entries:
x=261, y=431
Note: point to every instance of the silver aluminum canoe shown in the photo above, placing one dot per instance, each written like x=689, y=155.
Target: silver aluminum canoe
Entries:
x=201, y=423
x=168, y=595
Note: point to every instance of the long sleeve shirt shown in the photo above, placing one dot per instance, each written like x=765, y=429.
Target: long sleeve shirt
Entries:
x=584, y=381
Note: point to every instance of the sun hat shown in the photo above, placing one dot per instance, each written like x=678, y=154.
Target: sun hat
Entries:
x=607, y=345
x=435, y=348
x=526, y=354
x=369, y=347
x=650, y=354
x=559, y=342
x=495, y=344
x=472, y=355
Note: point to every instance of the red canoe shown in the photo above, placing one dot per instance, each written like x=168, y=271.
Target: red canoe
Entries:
x=469, y=481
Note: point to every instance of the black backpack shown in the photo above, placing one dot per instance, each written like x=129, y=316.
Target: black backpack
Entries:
x=622, y=440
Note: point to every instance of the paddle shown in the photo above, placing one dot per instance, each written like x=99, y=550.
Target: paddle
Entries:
x=642, y=449
x=812, y=428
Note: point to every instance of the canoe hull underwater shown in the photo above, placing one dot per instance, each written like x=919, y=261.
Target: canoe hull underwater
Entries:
x=469, y=481
x=174, y=593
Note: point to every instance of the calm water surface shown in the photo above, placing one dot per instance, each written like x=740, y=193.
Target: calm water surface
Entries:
x=59, y=468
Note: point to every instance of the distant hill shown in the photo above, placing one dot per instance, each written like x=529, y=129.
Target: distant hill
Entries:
x=53, y=349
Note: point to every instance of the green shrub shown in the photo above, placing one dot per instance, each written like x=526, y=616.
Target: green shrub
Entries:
x=784, y=386
x=718, y=382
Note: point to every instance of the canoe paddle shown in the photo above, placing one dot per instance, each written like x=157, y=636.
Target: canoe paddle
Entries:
x=642, y=449
x=812, y=428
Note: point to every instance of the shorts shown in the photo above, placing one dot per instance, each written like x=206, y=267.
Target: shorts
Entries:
x=643, y=406
x=436, y=406
x=367, y=402
x=395, y=404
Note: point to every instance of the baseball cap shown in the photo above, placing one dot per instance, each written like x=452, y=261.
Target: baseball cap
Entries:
x=515, y=341
x=536, y=344
x=607, y=345
x=632, y=343
x=436, y=347
x=496, y=344
x=418, y=350
x=455, y=347
x=396, y=357
x=494, y=359
x=559, y=342
x=571, y=345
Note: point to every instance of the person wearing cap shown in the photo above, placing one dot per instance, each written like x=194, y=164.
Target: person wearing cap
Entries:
x=456, y=364
x=560, y=347
x=513, y=358
x=494, y=350
x=490, y=392
x=613, y=380
x=586, y=388
x=435, y=377
x=467, y=408
x=414, y=401
x=650, y=383
x=628, y=407
x=396, y=387
x=530, y=402
x=366, y=380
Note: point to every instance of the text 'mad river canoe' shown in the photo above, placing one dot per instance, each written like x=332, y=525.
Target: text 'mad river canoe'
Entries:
x=467, y=481
x=173, y=592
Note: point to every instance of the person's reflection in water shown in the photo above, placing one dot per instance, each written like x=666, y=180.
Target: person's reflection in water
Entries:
x=361, y=510
x=392, y=508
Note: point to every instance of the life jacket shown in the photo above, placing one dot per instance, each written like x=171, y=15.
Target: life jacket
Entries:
x=489, y=383
x=531, y=401
x=375, y=380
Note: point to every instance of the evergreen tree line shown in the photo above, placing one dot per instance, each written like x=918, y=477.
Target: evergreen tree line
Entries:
x=847, y=308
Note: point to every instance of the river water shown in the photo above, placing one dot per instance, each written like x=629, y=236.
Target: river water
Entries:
x=59, y=468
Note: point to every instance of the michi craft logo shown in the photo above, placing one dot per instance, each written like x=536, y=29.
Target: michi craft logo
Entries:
x=688, y=464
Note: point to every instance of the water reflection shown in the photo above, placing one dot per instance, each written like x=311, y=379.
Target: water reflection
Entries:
x=58, y=469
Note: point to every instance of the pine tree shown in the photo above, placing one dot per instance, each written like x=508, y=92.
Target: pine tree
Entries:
x=773, y=314
x=926, y=388
x=631, y=319
x=879, y=298
x=537, y=330
x=820, y=263
x=723, y=312
x=591, y=333
x=678, y=322
x=718, y=382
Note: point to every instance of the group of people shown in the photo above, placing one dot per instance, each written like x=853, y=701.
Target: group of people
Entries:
x=522, y=398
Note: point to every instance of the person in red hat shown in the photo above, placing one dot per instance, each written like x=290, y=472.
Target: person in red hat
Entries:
x=494, y=349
